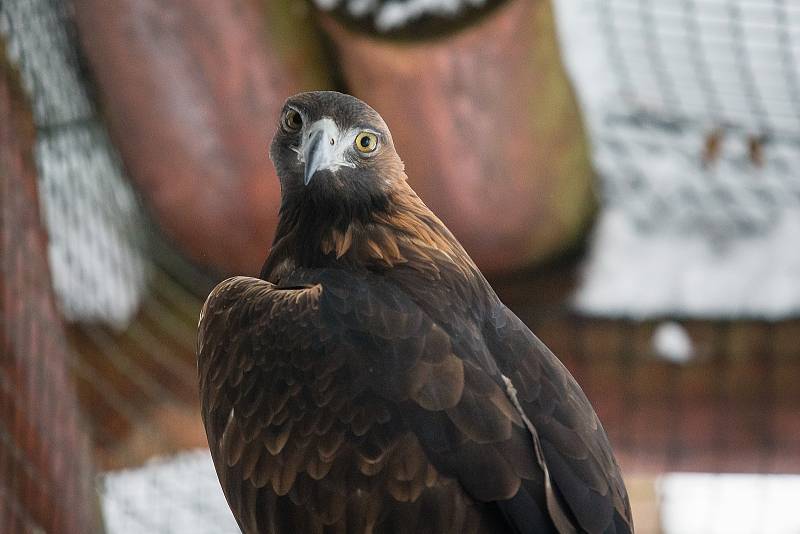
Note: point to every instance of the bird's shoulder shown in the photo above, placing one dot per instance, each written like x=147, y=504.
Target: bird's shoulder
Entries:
x=489, y=404
x=307, y=428
x=328, y=317
x=572, y=441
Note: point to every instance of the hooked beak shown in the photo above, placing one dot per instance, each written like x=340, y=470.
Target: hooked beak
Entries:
x=320, y=149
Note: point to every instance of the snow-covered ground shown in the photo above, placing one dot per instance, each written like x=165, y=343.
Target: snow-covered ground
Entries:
x=700, y=503
x=181, y=495
x=677, y=235
x=394, y=14
x=177, y=495
x=671, y=342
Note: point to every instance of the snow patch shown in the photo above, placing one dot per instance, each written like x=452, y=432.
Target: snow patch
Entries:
x=672, y=343
x=643, y=275
x=395, y=14
x=694, y=503
x=177, y=495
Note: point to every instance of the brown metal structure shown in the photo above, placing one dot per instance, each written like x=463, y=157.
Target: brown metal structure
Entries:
x=191, y=90
x=488, y=127
x=45, y=471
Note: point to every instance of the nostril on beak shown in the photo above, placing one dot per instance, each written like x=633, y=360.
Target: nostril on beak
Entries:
x=332, y=141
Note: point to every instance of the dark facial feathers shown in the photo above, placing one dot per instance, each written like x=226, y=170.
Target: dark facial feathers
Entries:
x=361, y=174
x=373, y=382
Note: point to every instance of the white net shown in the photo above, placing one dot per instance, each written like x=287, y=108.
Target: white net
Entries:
x=91, y=214
x=693, y=109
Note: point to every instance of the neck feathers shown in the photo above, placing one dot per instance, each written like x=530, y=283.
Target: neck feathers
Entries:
x=405, y=234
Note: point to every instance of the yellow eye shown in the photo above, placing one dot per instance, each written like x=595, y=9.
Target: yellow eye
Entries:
x=292, y=120
x=366, y=142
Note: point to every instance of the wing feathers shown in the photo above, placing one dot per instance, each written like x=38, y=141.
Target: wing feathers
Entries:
x=573, y=445
x=438, y=386
x=339, y=405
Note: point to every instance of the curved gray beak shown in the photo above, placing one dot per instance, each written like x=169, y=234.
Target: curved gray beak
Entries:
x=314, y=153
x=321, y=149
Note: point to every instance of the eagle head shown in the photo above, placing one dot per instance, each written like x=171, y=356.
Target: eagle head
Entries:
x=344, y=194
x=336, y=151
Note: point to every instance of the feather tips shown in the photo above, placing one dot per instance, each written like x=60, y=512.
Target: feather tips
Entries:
x=384, y=396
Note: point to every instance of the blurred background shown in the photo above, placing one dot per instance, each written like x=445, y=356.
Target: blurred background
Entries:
x=624, y=171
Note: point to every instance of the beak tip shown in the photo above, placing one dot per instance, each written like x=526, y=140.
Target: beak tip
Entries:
x=314, y=154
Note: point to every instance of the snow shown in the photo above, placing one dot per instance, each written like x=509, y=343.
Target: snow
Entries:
x=633, y=273
x=676, y=236
x=699, y=503
x=393, y=14
x=672, y=343
x=181, y=495
x=176, y=495
x=93, y=221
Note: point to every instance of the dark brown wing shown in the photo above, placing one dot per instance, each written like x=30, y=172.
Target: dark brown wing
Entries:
x=574, y=444
x=345, y=405
x=303, y=392
x=565, y=438
x=522, y=435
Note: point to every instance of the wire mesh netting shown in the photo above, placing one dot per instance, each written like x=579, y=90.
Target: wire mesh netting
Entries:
x=45, y=471
x=693, y=113
x=734, y=409
x=720, y=68
x=92, y=218
x=730, y=63
x=692, y=108
x=127, y=353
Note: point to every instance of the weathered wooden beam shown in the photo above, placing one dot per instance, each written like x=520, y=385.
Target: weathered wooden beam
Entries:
x=46, y=482
x=192, y=91
x=488, y=127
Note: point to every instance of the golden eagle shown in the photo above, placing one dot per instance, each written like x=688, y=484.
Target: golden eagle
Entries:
x=372, y=381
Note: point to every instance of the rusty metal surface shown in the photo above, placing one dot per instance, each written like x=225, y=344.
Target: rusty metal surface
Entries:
x=192, y=91
x=488, y=127
x=45, y=473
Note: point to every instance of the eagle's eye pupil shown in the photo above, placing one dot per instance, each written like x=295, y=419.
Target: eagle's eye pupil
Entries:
x=292, y=120
x=366, y=142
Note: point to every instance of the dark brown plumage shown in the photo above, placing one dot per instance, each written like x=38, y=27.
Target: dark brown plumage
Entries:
x=372, y=381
